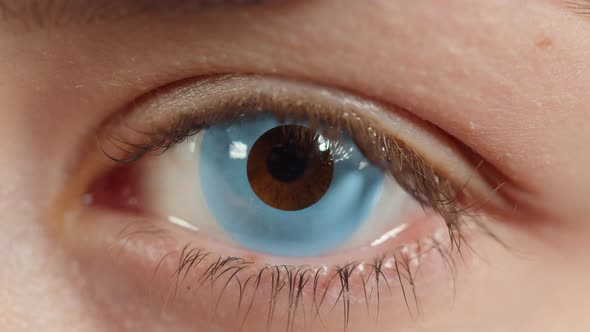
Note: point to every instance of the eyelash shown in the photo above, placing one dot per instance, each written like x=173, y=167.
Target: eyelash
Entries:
x=400, y=265
x=394, y=156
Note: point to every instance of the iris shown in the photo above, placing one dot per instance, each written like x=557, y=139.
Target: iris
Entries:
x=283, y=188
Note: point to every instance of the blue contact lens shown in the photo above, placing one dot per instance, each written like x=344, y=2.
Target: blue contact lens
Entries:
x=284, y=189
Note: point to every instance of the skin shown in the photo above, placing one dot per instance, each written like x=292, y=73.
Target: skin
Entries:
x=506, y=78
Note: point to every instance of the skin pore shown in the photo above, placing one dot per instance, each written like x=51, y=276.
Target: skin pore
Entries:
x=506, y=79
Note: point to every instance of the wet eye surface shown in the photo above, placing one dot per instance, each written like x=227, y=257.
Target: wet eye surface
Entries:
x=266, y=188
x=286, y=189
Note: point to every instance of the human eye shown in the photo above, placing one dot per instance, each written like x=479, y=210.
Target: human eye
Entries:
x=282, y=199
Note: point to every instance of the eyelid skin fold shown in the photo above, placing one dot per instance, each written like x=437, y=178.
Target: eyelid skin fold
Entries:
x=157, y=120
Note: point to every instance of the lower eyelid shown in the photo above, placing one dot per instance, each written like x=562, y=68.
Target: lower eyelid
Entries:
x=169, y=268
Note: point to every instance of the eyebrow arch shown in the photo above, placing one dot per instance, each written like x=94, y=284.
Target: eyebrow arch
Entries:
x=50, y=13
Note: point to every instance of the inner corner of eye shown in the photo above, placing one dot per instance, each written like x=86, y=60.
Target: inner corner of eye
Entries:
x=115, y=189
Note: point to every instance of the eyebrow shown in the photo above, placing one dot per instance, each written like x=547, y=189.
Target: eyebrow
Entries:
x=50, y=13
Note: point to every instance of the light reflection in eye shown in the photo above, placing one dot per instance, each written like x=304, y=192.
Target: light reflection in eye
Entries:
x=323, y=143
x=238, y=150
x=389, y=235
x=182, y=223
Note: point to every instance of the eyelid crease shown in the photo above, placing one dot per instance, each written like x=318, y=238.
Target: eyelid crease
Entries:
x=168, y=116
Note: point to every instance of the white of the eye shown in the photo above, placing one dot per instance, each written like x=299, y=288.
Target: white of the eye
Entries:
x=171, y=188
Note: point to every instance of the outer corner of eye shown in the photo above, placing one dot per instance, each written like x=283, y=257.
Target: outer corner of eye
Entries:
x=257, y=166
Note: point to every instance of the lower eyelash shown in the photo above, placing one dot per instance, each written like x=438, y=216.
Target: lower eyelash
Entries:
x=303, y=289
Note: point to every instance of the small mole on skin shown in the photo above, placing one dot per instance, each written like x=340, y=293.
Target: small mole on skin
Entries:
x=544, y=43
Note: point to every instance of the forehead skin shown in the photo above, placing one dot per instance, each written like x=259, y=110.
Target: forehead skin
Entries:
x=507, y=78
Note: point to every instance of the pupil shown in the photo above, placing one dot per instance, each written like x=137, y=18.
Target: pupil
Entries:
x=285, y=163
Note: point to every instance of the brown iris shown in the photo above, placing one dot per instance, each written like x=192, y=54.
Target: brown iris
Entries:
x=290, y=167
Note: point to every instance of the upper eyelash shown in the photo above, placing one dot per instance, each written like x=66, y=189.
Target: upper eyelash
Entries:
x=408, y=168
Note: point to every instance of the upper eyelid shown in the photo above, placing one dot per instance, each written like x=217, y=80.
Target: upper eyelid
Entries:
x=167, y=107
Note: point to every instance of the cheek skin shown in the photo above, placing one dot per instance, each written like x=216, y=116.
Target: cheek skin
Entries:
x=36, y=276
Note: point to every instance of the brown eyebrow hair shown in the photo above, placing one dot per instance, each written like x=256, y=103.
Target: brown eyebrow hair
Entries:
x=33, y=14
